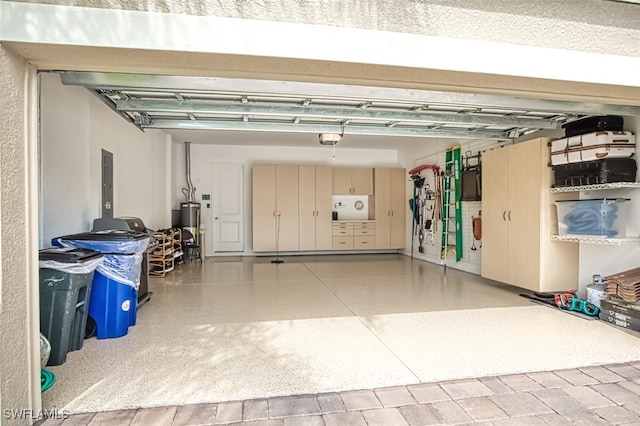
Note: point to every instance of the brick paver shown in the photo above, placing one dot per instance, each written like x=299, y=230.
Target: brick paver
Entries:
x=615, y=393
x=452, y=413
x=352, y=418
x=421, y=414
x=255, y=409
x=428, y=392
x=229, y=412
x=520, y=404
x=587, y=397
x=394, y=397
x=154, y=416
x=576, y=377
x=520, y=383
x=482, y=408
x=601, y=395
x=601, y=374
x=616, y=415
x=561, y=403
x=195, y=415
x=330, y=403
x=625, y=370
x=296, y=405
x=548, y=380
x=495, y=384
x=304, y=421
x=384, y=417
x=360, y=400
x=465, y=388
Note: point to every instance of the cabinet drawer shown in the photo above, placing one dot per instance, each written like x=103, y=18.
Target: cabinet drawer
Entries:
x=342, y=243
x=337, y=232
x=364, y=231
x=366, y=242
x=342, y=225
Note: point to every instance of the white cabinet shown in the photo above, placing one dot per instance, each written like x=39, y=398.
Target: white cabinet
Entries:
x=314, y=208
x=354, y=235
x=390, y=209
x=352, y=181
x=275, y=208
x=518, y=213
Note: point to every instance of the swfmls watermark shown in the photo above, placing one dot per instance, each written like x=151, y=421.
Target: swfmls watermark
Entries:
x=28, y=414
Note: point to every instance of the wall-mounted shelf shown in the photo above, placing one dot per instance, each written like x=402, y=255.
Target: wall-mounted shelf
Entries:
x=593, y=240
x=596, y=187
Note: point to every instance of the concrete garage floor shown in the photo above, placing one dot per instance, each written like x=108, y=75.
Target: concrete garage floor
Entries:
x=234, y=329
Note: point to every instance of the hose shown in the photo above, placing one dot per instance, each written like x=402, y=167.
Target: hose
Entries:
x=47, y=379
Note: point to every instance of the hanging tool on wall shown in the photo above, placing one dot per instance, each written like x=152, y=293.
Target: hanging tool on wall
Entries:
x=418, y=204
x=476, y=228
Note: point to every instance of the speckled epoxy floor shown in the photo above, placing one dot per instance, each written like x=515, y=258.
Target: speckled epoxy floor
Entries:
x=242, y=328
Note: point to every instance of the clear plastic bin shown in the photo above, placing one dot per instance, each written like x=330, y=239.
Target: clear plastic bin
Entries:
x=602, y=217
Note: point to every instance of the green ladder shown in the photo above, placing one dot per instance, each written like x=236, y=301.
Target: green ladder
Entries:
x=451, y=197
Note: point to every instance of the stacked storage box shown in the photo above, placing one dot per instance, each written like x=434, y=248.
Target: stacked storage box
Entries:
x=622, y=308
x=595, y=150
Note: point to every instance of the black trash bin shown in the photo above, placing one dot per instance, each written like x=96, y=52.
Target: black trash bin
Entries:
x=65, y=288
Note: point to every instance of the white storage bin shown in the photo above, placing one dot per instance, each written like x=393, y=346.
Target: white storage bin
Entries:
x=603, y=217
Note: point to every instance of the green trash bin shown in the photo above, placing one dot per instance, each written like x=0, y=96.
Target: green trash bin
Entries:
x=65, y=288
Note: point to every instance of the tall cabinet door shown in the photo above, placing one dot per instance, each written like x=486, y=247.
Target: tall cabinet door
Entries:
x=494, y=214
x=307, y=207
x=383, y=207
x=523, y=214
x=287, y=206
x=397, y=198
x=324, y=179
x=264, y=208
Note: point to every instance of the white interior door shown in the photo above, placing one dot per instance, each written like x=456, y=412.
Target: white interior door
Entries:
x=227, y=206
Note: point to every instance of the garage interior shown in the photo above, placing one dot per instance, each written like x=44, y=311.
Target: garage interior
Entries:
x=321, y=321
x=318, y=322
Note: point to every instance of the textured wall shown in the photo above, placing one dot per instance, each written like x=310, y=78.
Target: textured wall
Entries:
x=585, y=25
x=14, y=356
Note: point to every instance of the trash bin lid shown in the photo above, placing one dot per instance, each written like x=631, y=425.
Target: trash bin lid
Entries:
x=109, y=235
x=69, y=255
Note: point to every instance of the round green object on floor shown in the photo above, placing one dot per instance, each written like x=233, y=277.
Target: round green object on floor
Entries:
x=47, y=379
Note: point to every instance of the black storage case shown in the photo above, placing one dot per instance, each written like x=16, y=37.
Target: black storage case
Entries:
x=593, y=124
x=595, y=172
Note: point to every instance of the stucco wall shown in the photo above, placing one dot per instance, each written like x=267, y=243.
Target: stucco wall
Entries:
x=600, y=26
x=16, y=242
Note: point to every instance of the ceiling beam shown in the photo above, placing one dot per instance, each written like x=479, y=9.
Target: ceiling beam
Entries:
x=324, y=128
x=187, y=107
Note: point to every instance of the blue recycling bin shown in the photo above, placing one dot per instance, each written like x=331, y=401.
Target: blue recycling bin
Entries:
x=114, y=294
